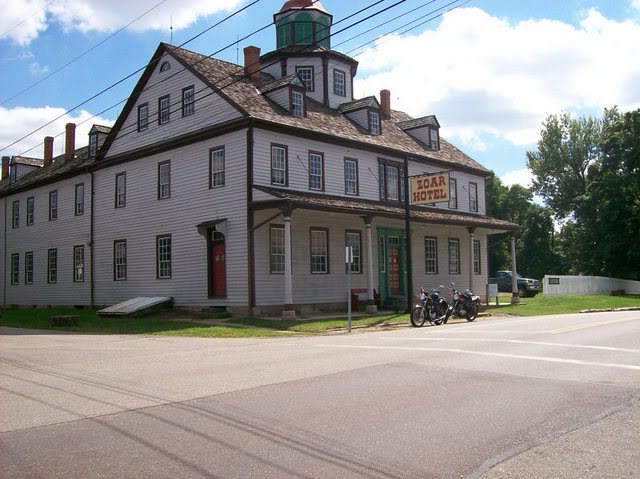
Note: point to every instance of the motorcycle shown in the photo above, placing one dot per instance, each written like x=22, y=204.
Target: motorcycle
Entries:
x=465, y=305
x=431, y=307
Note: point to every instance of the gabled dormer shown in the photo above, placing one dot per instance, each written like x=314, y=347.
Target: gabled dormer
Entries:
x=20, y=166
x=425, y=129
x=289, y=93
x=366, y=113
x=97, y=135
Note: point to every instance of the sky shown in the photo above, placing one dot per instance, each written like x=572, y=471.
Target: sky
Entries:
x=490, y=70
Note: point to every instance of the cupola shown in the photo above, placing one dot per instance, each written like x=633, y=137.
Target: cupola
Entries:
x=303, y=23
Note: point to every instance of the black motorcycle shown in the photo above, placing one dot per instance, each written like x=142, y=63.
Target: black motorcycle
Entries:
x=465, y=305
x=431, y=307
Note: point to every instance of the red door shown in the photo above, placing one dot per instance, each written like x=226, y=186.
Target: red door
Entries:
x=218, y=270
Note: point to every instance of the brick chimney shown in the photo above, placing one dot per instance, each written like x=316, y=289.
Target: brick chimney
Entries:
x=252, y=64
x=48, y=150
x=5, y=167
x=385, y=103
x=70, y=142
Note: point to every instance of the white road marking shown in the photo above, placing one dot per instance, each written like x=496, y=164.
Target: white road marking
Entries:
x=520, y=341
x=589, y=325
x=497, y=355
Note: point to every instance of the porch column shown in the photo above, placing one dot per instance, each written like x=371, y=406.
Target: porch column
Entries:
x=515, y=297
x=289, y=312
x=371, y=304
x=471, y=238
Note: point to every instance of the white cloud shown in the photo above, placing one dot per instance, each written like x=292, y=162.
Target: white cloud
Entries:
x=483, y=75
x=103, y=16
x=19, y=121
x=635, y=4
x=36, y=69
x=518, y=177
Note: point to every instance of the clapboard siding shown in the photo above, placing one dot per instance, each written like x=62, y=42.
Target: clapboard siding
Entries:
x=361, y=117
x=210, y=109
x=311, y=288
x=298, y=150
x=318, y=91
x=281, y=97
x=3, y=225
x=63, y=234
x=191, y=203
x=334, y=100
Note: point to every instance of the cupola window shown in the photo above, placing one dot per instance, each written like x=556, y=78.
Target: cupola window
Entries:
x=323, y=33
x=304, y=29
x=284, y=33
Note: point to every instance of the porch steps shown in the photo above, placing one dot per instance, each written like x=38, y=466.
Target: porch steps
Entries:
x=134, y=305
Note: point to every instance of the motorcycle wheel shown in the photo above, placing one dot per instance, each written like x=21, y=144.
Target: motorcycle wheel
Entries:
x=418, y=317
x=472, y=313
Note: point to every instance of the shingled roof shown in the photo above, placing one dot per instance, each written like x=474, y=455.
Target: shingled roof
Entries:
x=319, y=119
x=366, y=102
x=359, y=206
x=25, y=160
x=280, y=82
x=430, y=120
x=101, y=129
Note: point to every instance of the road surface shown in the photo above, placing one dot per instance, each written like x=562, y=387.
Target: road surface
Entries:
x=554, y=396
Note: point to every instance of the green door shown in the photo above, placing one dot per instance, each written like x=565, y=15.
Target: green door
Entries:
x=391, y=265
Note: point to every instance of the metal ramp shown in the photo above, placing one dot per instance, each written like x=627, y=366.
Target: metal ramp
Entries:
x=134, y=305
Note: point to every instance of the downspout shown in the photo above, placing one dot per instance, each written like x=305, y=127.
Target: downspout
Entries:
x=250, y=223
x=407, y=225
x=91, y=246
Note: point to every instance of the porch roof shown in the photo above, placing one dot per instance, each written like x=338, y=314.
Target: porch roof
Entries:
x=358, y=206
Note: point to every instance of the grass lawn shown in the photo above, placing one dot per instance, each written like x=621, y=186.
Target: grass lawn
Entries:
x=541, y=305
x=320, y=326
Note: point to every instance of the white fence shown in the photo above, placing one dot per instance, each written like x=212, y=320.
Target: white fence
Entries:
x=569, y=285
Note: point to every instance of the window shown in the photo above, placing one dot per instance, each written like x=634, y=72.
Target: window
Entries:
x=15, y=221
x=28, y=268
x=79, y=199
x=391, y=181
x=53, y=205
x=276, y=249
x=431, y=255
x=30, y=210
x=216, y=167
x=454, y=256
x=473, y=196
x=78, y=264
x=15, y=268
x=304, y=29
x=319, y=250
x=433, y=138
x=351, y=186
x=188, y=101
x=165, y=67
x=164, y=109
x=93, y=145
x=374, y=122
x=143, y=117
x=121, y=190
x=279, y=165
x=163, y=257
x=52, y=266
x=316, y=171
x=354, y=239
x=120, y=260
x=323, y=34
x=307, y=76
x=284, y=33
x=339, y=82
x=453, y=194
x=297, y=104
x=164, y=180
x=476, y=257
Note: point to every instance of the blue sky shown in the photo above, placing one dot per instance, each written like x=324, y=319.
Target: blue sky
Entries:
x=490, y=70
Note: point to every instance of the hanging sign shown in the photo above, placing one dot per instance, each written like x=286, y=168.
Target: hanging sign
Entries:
x=426, y=189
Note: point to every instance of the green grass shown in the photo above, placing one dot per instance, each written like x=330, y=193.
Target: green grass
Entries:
x=321, y=325
x=541, y=305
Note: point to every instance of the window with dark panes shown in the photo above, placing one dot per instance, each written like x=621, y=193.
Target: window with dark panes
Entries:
x=30, y=210
x=163, y=256
x=164, y=109
x=121, y=190
x=476, y=257
x=53, y=205
x=473, y=196
x=453, y=194
x=319, y=251
x=276, y=249
x=15, y=216
x=307, y=77
x=431, y=255
x=79, y=209
x=78, y=264
x=15, y=268
x=454, y=256
x=391, y=182
x=316, y=171
x=28, y=267
x=120, y=260
x=52, y=266
x=143, y=117
x=188, y=101
x=351, y=176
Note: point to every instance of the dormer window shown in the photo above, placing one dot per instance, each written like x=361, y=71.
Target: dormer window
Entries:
x=93, y=145
x=374, y=122
x=434, y=140
x=165, y=67
x=297, y=103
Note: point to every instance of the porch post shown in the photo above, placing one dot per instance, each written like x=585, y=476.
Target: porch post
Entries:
x=471, y=252
x=515, y=297
x=371, y=304
x=289, y=312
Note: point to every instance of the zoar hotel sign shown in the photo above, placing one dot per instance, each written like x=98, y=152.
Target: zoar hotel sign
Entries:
x=427, y=189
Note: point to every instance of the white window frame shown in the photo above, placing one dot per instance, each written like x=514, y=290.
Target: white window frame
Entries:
x=316, y=171
x=354, y=238
x=28, y=267
x=319, y=249
x=163, y=257
x=307, y=76
x=276, y=249
x=453, y=193
x=276, y=168
x=53, y=205
x=374, y=122
x=430, y=255
x=339, y=87
x=79, y=200
x=164, y=180
x=188, y=101
x=473, y=196
x=120, y=260
x=143, y=117
x=454, y=256
x=15, y=214
x=477, y=253
x=78, y=264
x=52, y=266
x=30, y=210
x=216, y=167
x=93, y=145
x=164, y=109
x=121, y=190
x=351, y=186
x=297, y=104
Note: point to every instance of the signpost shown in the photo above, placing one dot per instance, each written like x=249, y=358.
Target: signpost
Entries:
x=349, y=262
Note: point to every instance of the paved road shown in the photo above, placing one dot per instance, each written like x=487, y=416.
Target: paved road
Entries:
x=504, y=398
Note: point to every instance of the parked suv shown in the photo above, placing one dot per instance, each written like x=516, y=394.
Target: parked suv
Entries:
x=526, y=286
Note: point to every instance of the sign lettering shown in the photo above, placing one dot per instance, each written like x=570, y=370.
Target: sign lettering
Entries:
x=427, y=189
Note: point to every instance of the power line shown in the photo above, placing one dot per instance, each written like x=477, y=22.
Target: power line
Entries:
x=27, y=18
x=83, y=53
x=113, y=85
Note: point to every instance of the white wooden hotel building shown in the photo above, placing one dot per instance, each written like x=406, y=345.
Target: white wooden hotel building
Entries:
x=239, y=187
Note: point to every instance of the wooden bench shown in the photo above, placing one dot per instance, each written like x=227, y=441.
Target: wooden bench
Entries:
x=355, y=299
